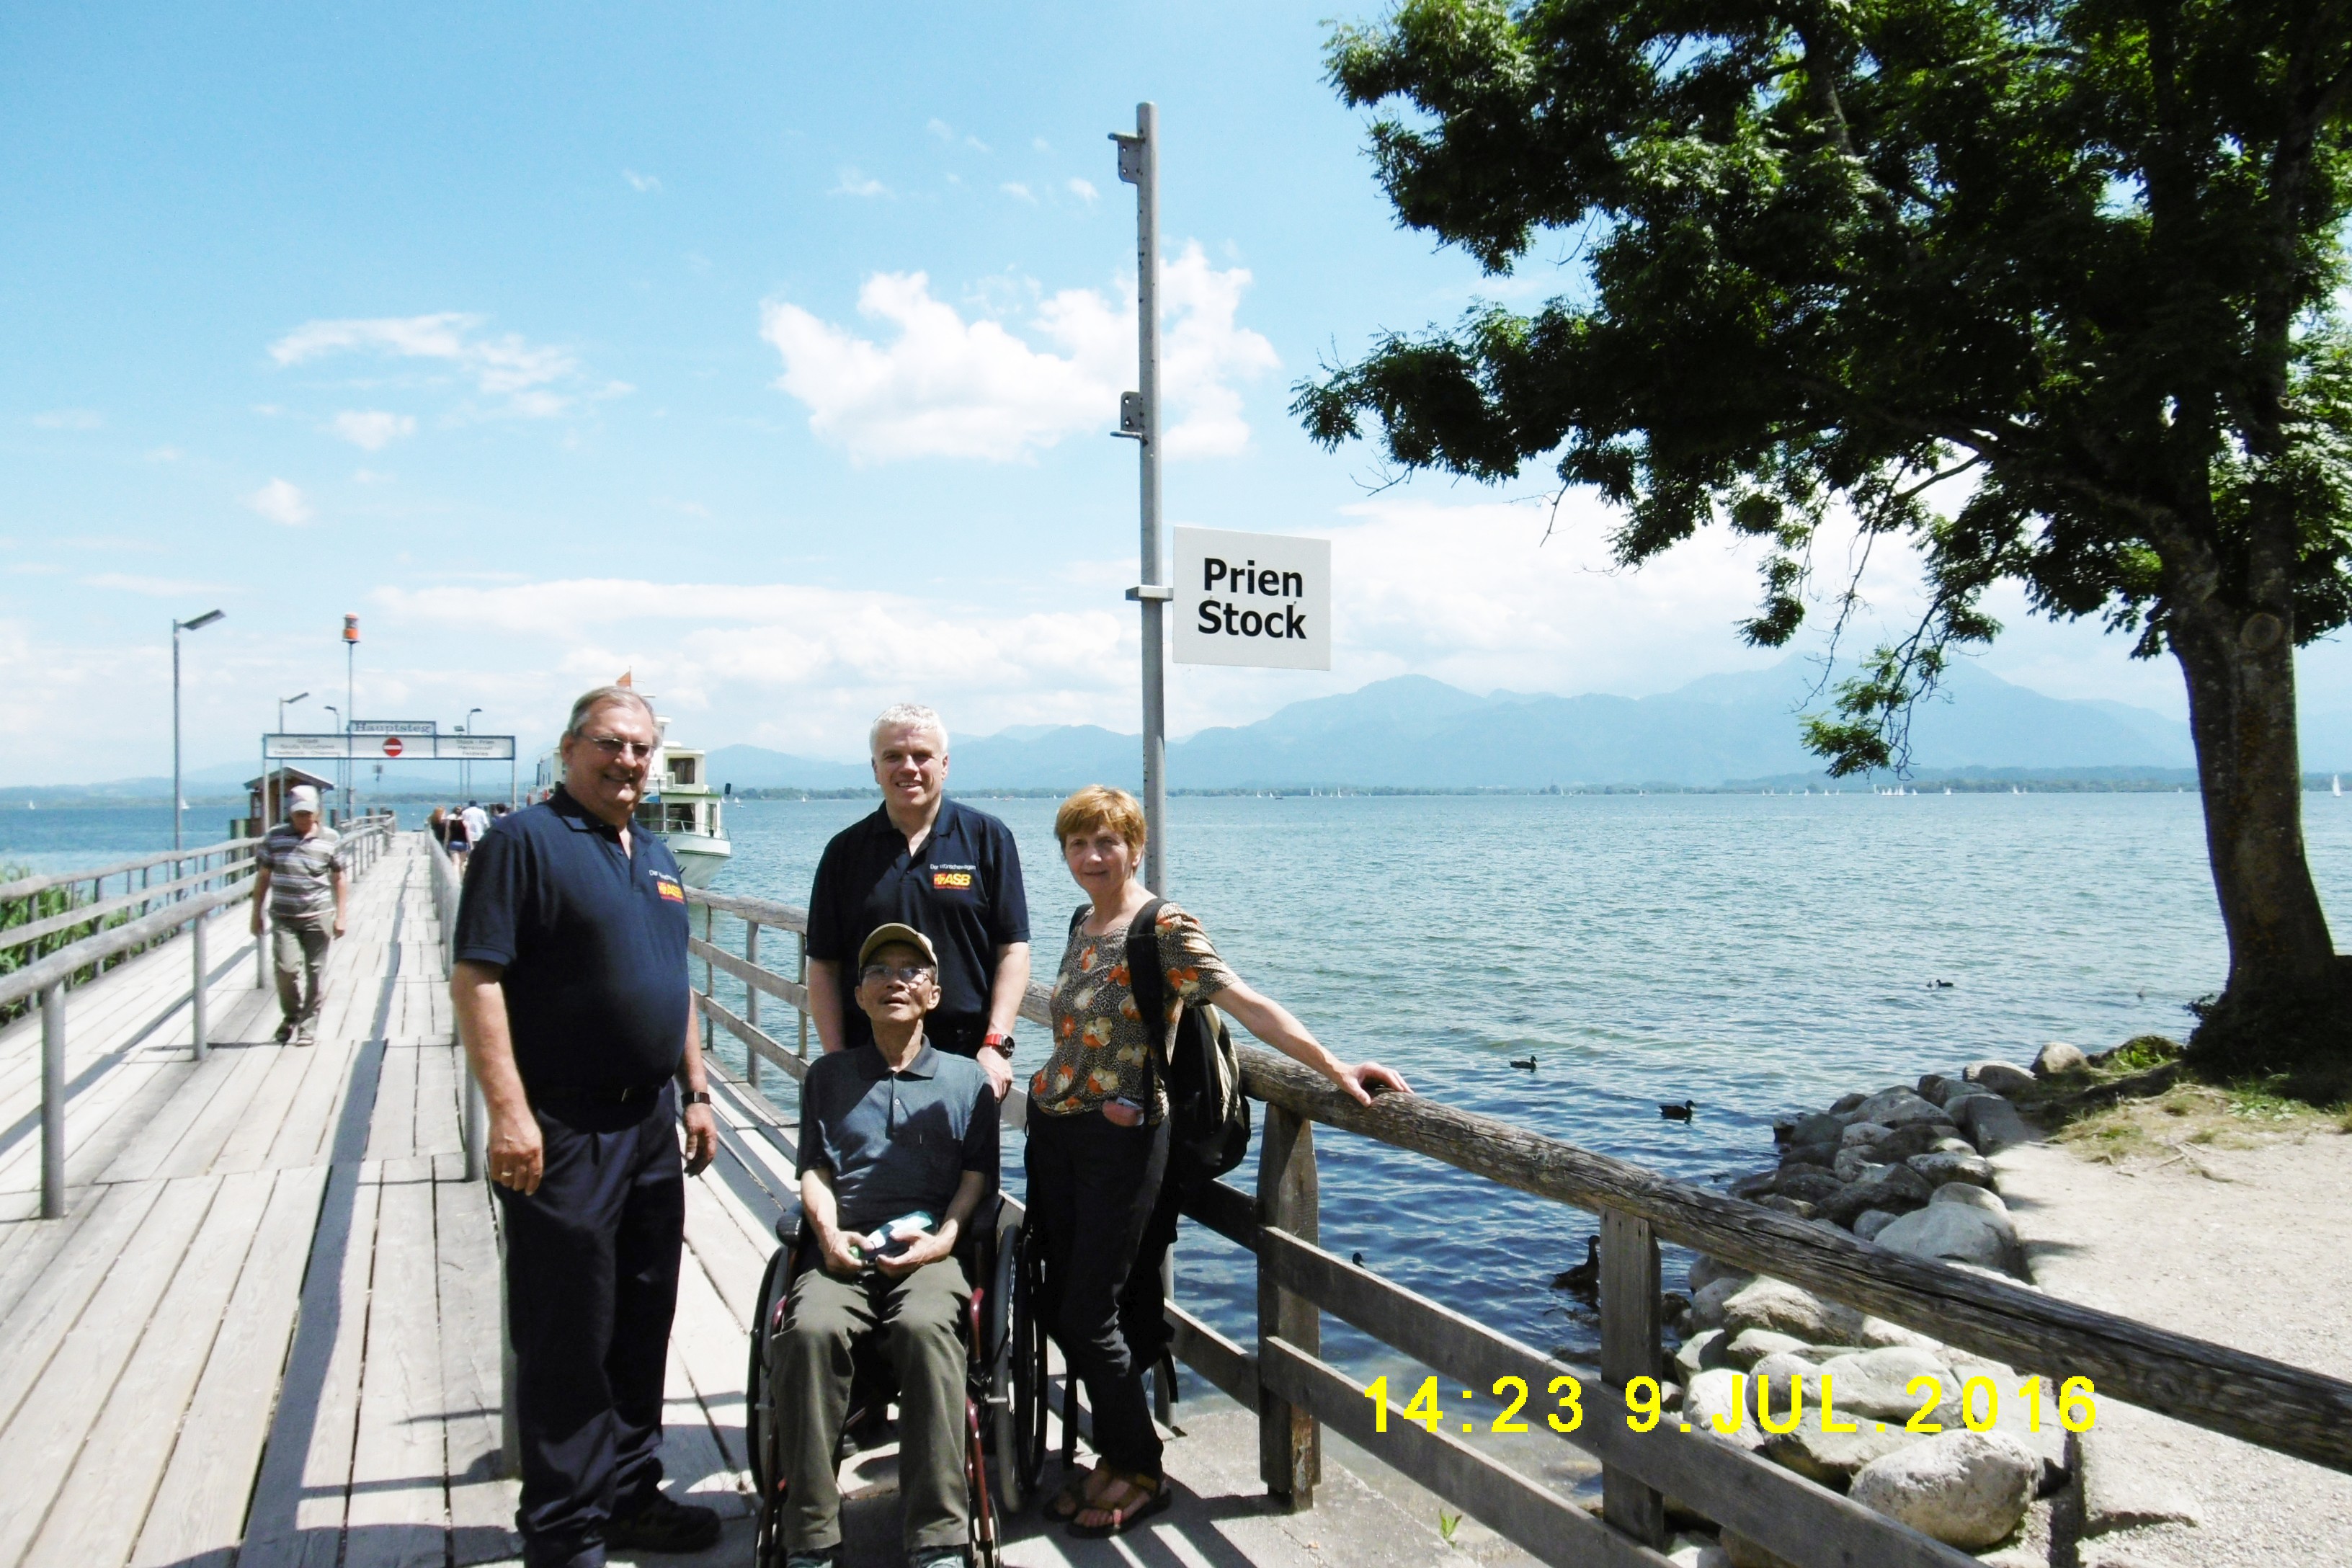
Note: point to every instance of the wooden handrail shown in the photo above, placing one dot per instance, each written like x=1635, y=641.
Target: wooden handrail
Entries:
x=86, y=914
x=25, y=887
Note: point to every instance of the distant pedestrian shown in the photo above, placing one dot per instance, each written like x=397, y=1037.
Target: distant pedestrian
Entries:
x=437, y=825
x=300, y=875
x=1098, y=1140
x=478, y=824
x=951, y=872
x=572, y=998
x=458, y=841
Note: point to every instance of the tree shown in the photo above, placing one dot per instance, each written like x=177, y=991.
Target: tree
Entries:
x=2071, y=264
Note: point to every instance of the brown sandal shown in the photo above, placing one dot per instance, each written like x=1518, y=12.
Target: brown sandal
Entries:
x=1070, y=1502
x=1151, y=1494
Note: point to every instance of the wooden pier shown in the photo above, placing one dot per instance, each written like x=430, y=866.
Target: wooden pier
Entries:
x=265, y=1328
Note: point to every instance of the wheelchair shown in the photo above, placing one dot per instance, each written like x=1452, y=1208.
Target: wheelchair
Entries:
x=1006, y=1380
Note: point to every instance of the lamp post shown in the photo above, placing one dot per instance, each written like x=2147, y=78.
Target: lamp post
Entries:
x=200, y=622
x=464, y=767
x=351, y=710
x=283, y=704
x=1139, y=420
x=347, y=745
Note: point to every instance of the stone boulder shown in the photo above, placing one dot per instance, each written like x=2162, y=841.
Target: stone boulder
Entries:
x=1757, y=1184
x=2000, y=1078
x=1706, y=1301
x=1899, y=1107
x=1846, y=1102
x=1870, y=1222
x=2058, y=1057
x=1832, y=1458
x=1794, y=1206
x=1937, y=1087
x=1859, y=1164
x=1968, y=1490
x=1994, y=1125
x=1897, y=1189
x=1915, y=1137
x=1703, y=1352
x=1877, y=1333
x=1958, y=1233
x=1818, y=1128
x=1692, y=1552
x=1809, y=1184
x=1752, y=1345
x=1865, y=1135
x=1721, y=1392
x=1972, y=1196
x=1705, y=1271
x=1941, y=1169
x=1819, y=1154
x=1873, y=1385
x=1784, y=1309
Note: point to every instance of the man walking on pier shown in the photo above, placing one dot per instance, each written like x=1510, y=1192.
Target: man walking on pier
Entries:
x=298, y=877
x=572, y=998
x=951, y=872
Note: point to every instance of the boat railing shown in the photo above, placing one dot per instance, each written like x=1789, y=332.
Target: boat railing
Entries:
x=224, y=878
x=1294, y=1391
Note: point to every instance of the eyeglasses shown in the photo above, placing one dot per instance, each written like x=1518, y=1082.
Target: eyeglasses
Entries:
x=905, y=975
x=613, y=746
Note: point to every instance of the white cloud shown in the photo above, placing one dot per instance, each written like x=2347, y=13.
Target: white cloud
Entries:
x=946, y=387
x=149, y=587
x=506, y=367
x=1019, y=192
x=281, y=502
x=372, y=429
x=940, y=129
x=644, y=185
x=69, y=419
x=854, y=183
x=1082, y=189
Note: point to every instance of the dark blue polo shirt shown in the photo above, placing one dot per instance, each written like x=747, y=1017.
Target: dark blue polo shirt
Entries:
x=962, y=889
x=896, y=1143
x=592, y=938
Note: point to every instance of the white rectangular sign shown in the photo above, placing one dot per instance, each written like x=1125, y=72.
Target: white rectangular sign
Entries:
x=1260, y=599
x=474, y=748
x=277, y=748
x=379, y=748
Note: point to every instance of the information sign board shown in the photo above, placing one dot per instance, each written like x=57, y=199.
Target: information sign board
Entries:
x=1260, y=599
x=393, y=727
x=378, y=748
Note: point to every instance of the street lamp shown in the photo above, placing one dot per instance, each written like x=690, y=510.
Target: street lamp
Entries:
x=464, y=767
x=283, y=704
x=339, y=725
x=208, y=618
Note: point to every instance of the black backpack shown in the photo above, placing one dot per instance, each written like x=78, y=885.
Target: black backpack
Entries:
x=1208, y=1115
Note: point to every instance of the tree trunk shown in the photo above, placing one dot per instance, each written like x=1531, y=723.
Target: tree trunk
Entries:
x=2240, y=670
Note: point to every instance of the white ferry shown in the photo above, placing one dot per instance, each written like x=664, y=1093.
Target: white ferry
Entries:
x=681, y=807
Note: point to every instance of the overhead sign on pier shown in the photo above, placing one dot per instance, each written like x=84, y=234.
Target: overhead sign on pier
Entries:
x=380, y=746
x=1260, y=599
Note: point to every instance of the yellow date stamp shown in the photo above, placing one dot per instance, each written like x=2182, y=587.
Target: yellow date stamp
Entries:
x=1980, y=1405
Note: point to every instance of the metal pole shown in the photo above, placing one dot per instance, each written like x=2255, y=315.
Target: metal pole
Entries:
x=175, y=747
x=1138, y=164
x=751, y=1004
x=197, y=993
x=351, y=773
x=52, y=1100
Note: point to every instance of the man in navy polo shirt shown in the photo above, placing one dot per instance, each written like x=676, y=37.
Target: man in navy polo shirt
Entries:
x=571, y=999
x=951, y=872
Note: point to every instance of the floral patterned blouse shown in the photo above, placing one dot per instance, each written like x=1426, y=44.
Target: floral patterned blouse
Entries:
x=1100, y=1044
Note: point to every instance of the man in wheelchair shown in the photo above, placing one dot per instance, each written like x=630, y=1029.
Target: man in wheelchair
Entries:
x=897, y=1150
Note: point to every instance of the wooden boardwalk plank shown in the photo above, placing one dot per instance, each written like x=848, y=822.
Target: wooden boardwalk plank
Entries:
x=42, y=1440
x=398, y=1515
x=199, y=1508
x=36, y=1324
x=105, y=1499
x=481, y=1502
x=392, y=1131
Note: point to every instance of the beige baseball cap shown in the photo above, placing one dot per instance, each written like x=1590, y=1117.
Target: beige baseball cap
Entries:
x=302, y=797
x=883, y=936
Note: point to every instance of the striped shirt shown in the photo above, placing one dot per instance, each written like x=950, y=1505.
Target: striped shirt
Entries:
x=302, y=871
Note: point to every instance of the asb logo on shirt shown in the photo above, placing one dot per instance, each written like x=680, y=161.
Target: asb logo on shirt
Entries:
x=950, y=879
x=668, y=889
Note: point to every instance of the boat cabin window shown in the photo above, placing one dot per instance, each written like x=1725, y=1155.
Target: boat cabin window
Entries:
x=682, y=769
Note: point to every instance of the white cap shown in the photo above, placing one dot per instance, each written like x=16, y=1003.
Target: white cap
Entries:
x=302, y=797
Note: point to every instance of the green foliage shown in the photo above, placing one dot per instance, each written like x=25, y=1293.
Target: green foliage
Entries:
x=2079, y=254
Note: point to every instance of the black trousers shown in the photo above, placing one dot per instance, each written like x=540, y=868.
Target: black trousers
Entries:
x=1094, y=1191
x=592, y=1284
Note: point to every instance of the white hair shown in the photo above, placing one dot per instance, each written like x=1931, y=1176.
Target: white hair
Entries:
x=602, y=697
x=908, y=715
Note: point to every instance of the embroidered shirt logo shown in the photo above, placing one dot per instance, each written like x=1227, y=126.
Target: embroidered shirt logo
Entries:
x=669, y=890
x=950, y=879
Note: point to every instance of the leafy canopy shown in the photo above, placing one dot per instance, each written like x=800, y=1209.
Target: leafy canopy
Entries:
x=2080, y=256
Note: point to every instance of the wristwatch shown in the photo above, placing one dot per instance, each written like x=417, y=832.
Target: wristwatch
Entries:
x=694, y=1097
x=999, y=1042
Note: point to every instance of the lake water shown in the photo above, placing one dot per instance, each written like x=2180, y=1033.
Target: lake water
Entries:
x=1755, y=954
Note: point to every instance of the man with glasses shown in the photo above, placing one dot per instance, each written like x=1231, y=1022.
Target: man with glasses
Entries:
x=891, y=1130
x=571, y=999
x=949, y=871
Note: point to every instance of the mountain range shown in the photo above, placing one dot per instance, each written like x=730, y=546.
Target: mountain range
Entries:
x=1412, y=732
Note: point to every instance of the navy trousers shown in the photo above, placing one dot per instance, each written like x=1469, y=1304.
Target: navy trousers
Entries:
x=592, y=1284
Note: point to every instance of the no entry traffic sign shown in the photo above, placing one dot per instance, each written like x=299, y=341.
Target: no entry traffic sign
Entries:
x=392, y=746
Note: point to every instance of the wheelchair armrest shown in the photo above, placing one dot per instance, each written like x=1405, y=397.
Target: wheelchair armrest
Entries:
x=788, y=1225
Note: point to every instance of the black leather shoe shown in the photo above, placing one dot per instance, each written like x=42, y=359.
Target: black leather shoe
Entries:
x=663, y=1525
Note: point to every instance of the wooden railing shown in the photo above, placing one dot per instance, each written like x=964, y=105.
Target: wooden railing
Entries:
x=1295, y=1391
x=189, y=902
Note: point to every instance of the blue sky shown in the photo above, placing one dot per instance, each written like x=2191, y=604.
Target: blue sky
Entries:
x=767, y=350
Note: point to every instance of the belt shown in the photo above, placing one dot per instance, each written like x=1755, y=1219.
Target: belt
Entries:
x=631, y=1095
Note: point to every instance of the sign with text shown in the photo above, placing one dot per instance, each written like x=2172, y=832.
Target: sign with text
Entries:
x=1260, y=599
x=376, y=748
x=392, y=726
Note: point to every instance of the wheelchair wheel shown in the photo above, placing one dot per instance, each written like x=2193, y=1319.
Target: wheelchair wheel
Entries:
x=993, y=1359
x=760, y=1434
x=1029, y=1363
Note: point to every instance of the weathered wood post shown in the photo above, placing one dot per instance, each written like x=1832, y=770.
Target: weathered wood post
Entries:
x=709, y=1032
x=52, y=1100
x=750, y=1001
x=1289, y=1440
x=801, y=975
x=198, y=1017
x=1630, y=1348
